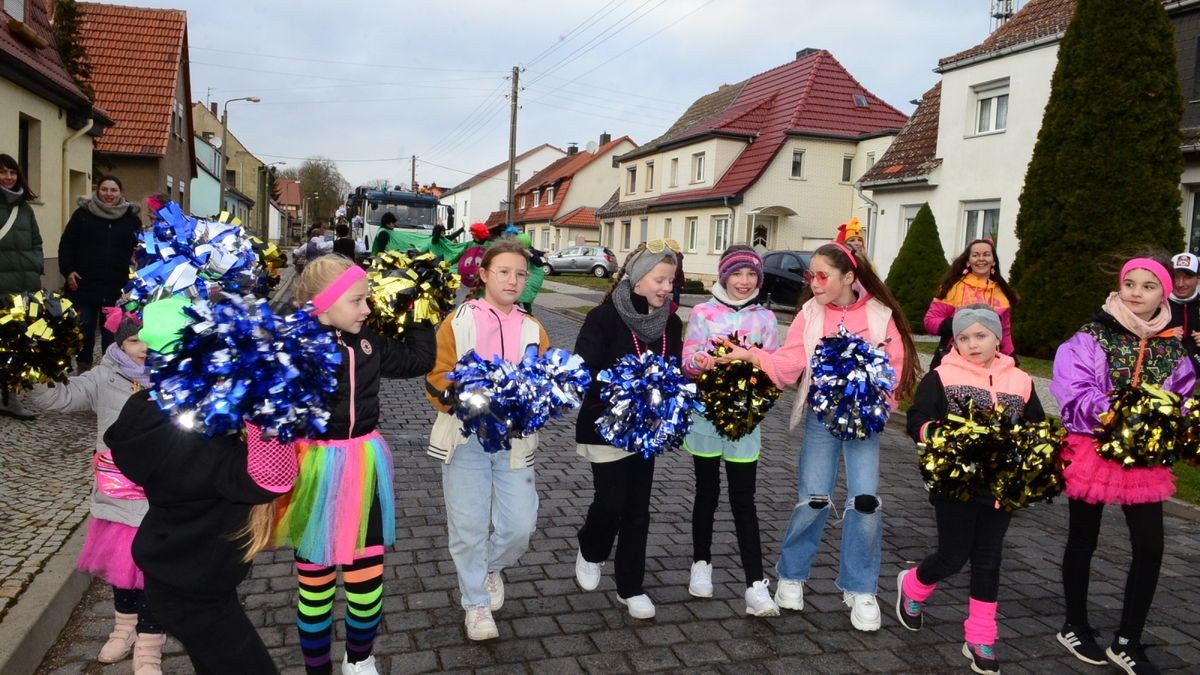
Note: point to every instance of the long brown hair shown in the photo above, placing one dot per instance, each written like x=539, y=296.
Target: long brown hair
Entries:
x=872, y=284
x=8, y=162
x=958, y=267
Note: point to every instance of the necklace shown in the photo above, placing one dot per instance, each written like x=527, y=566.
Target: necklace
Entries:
x=637, y=346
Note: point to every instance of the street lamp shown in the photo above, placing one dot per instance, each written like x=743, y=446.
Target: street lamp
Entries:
x=225, y=140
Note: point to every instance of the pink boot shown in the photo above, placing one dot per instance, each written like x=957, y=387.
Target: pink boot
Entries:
x=147, y=653
x=120, y=640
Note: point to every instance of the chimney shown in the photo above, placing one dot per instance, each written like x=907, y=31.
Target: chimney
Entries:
x=572, y=148
x=213, y=107
x=805, y=52
x=605, y=138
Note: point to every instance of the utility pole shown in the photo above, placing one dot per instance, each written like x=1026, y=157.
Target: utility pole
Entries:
x=414, y=173
x=512, y=142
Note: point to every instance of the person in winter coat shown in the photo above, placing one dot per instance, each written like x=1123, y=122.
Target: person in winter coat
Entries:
x=732, y=311
x=973, y=375
x=1126, y=345
x=974, y=277
x=21, y=261
x=1185, y=302
x=118, y=504
x=94, y=255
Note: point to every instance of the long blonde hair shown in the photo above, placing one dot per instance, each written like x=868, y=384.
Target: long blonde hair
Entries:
x=319, y=273
x=258, y=530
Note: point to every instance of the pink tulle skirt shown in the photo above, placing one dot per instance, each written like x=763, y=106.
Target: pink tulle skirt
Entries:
x=108, y=554
x=1102, y=481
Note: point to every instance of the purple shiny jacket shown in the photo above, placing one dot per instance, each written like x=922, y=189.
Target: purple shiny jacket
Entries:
x=1082, y=383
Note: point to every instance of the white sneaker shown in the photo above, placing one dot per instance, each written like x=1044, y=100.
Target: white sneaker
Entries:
x=366, y=667
x=700, y=584
x=864, y=611
x=790, y=594
x=640, y=606
x=480, y=625
x=494, y=583
x=587, y=573
x=758, y=600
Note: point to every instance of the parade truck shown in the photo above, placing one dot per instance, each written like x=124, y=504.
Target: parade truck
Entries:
x=418, y=214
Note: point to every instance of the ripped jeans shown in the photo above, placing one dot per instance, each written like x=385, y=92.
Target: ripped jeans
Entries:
x=862, y=525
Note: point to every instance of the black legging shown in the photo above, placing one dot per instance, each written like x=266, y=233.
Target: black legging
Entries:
x=1145, y=523
x=967, y=531
x=213, y=629
x=742, y=486
x=620, y=511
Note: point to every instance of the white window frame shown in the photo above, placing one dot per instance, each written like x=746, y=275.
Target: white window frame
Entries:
x=674, y=175
x=649, y=176
x=975, y=216
x=607, y=237
x=550, y=196
x=15, y=9
x=520, y=204
x=847, y=169
x=691, y=233
x=626, y=234
x=697, y=167
x=721, y=234
x=546, y=239
x=666, y=229
x=908, y=213
x=537, y=198
x=630, y=180
x=988, y=100
x=797, y=158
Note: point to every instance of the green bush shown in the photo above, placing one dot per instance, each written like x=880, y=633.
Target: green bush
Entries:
x=918, y=267
x=1104, y=177
x=693, y=286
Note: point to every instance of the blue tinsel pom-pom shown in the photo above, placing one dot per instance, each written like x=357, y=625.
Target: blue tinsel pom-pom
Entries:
x=851, y=381
x=650, y=404
x=240, y=362
x=498, y=400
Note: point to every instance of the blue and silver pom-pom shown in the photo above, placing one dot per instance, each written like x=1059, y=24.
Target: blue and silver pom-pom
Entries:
x=650, y=404
x=240, y=362
x=499, y=400
x=851, y=383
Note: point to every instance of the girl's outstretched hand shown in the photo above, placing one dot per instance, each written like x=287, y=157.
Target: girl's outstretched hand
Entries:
x=704, y=361
x=736, y=353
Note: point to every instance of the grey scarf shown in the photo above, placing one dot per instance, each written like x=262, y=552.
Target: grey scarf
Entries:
x=12, y=196
x=647, y=327
x=101, y=210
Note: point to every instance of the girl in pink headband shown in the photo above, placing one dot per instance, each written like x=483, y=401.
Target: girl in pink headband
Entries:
x=341, y=511
x=1126, y=345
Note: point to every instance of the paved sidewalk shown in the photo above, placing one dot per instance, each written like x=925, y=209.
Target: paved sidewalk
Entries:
x=549, y=626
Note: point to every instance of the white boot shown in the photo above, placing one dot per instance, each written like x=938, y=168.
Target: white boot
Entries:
x=147, y=653
x=120, y=640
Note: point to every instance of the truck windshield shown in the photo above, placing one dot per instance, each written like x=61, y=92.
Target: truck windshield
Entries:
x=407, y=216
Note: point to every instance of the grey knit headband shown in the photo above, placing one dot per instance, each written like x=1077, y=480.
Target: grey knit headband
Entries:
x=641, y=262
x=980, y=314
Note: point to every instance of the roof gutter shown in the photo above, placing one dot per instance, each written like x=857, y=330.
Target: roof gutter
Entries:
x=872, y=209
x=892, y=182
x=1179, y=4
x=980, y=58
x=66, y=168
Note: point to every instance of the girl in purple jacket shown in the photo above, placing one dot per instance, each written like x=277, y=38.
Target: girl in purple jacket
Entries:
x=1127, y=344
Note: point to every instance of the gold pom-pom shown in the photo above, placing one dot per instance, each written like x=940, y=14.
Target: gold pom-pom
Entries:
x=736, y=395
x=407, y=291
x=1142, y=427
x=39, y=335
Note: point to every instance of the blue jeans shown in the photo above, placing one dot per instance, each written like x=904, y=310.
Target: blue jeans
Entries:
x=862, y=527
x=89, y=316
x=491, y=511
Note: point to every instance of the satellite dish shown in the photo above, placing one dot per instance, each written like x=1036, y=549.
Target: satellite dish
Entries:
x=215, y=142
x=591, y=146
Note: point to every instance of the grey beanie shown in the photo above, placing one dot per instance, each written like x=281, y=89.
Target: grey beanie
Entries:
x=641, y=261
x=978, y=313
x=128, y=328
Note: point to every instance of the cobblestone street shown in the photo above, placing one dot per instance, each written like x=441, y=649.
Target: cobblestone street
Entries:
x=548, y=625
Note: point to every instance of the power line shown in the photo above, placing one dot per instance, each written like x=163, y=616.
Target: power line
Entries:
x=388, y=65
x=381, y=159
x=432, y=84
x=571, y=34
x=364, y=101
x=604, y=36
x=469, y=121
x=592, y=114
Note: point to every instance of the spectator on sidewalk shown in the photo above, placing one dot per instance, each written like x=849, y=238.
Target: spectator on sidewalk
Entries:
x=973, y=277
x=1185, y=302
x=21, y=261
x=485, y=491
x=1124, y=346
x=94, y=256
x=118, y=504
x=316, y=246
x=345, y=245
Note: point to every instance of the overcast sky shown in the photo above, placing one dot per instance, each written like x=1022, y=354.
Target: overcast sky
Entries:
x=358, y=80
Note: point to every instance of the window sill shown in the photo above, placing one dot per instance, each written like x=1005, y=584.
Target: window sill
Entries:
x=797, y=178
x=981, y=134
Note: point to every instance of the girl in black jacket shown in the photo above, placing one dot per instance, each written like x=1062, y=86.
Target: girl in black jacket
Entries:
x=346, y=473
x=94, y=255
x=635, y=316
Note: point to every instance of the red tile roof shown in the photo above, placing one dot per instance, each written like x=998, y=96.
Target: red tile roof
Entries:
x=289, y=192
x=489, y=173
x=559, y=175
x=137, y=56
x=495, y=219
x=1038, y=19
x=914, y=152
x=41, y=69
x=584, y=216
x=813, y=94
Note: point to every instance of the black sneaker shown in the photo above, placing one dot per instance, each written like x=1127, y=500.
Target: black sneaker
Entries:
x=983, y=658
x=1081, y=641
x=1131, y=657
x=908, y=611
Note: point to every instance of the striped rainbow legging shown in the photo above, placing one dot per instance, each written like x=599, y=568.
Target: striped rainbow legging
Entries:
x=362, y=582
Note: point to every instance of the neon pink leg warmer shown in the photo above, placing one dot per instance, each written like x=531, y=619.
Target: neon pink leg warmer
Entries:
x=980, y=628
x=914, y=589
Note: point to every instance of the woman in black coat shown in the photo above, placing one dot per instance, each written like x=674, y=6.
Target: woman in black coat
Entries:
x=94, y=256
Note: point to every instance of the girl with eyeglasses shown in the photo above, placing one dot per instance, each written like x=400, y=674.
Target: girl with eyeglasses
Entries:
x=843, y=290
x=634, y=316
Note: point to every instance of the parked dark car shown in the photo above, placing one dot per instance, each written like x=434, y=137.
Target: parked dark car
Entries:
x=597, y=261
x=783, y=276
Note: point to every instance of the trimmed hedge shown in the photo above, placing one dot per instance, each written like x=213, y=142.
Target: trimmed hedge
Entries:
x=918, y=267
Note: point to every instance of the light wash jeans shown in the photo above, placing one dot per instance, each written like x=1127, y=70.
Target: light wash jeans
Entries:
x=482, y=493
x=862, y=527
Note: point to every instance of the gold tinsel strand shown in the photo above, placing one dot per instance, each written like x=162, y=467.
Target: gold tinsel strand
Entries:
x=39, y=336
x=407, y=291
x=1142, y=427
x=736, y=395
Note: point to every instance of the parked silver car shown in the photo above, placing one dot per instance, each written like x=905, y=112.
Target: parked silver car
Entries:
x=597, y=261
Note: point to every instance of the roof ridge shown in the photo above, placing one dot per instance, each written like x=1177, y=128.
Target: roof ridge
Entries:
x=108, y=5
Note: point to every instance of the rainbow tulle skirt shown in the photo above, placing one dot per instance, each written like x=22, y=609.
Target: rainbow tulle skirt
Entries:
x=325, y=515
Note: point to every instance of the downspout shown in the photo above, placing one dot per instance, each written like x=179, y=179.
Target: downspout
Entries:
x=873, y=208
x=732, y=215
x=66, y=170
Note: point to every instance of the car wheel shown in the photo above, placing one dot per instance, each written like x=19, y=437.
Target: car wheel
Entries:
x=550, y=270
x=599, y=271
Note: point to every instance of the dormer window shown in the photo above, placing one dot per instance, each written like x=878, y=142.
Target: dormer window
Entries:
x=15, y=9
x=550, y=196
x=537, y=198
x=522, y=204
